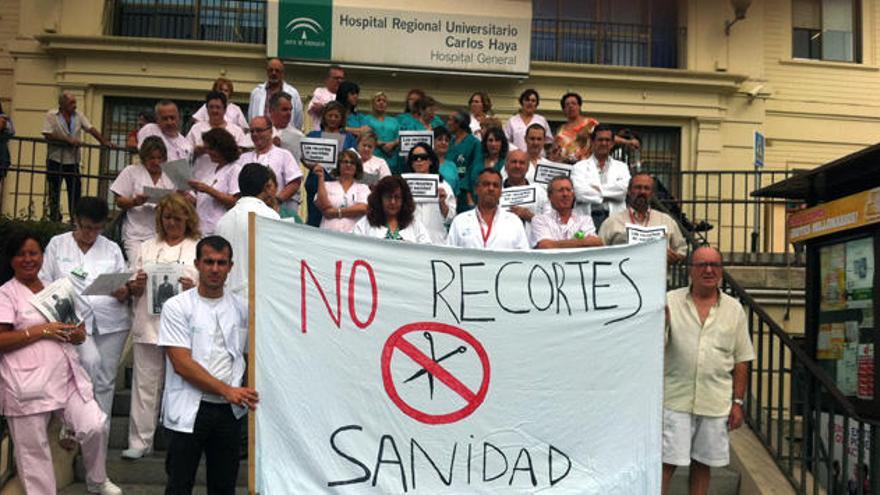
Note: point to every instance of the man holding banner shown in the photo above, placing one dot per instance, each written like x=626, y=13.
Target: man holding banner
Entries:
x=639, y=221
x=562, y=227
x=707, y=352
x=202, y=331
x=487, y=226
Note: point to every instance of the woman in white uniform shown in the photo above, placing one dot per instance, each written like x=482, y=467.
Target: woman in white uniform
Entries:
x=81, y=256
x=390, y=209
x=434, y=215
x=177, y=233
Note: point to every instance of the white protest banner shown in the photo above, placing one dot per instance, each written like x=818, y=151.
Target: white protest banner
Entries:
x=639, y=233
x=393, y=367
x=518, y=196
x=320, y=150
x=424, y=187
x=546, y=170
x=408, y=139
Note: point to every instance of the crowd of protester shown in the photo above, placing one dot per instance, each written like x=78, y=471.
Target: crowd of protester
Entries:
x=240, y=165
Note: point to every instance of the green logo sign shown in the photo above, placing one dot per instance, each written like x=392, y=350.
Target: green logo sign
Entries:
x=305, y=29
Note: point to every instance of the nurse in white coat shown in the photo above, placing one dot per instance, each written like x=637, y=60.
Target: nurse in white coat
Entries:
x=390, y=209
x=81, y=256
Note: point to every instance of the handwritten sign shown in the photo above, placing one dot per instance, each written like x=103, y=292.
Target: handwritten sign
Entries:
x=518, y=196
x=638, y=233
x=408, y=140
x=424, y=187
x=320, y=150
x=546, y=170
x=429, y=369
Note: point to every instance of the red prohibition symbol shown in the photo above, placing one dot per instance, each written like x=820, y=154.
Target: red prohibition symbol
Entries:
x=429, y=365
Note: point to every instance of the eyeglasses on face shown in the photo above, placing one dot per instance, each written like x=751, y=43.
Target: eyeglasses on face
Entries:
x=420, y=157
x=706, y=264
x=347, y=162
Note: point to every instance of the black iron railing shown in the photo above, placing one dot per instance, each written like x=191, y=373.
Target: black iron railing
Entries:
x=747, y=228
x=236, y=21
x=24, y=190
x=607, y=43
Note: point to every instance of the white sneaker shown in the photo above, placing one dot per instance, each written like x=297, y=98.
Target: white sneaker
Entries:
x=105, y=488
x=135, y=454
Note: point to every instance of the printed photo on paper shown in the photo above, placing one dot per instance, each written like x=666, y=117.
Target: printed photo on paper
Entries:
x=163, y=283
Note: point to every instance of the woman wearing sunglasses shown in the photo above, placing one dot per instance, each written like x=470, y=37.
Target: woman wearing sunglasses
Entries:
x=434, y=215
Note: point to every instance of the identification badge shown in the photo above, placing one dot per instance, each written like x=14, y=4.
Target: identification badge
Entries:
x=79, y=273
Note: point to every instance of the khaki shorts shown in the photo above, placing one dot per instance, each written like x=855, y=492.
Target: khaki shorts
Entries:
x=702, y=438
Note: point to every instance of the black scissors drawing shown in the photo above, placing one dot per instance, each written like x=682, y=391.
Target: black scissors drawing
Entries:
x=459, y=350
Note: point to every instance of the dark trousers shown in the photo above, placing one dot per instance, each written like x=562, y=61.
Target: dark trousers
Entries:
x=216, y=433
x=599, y=216
x=70, y=173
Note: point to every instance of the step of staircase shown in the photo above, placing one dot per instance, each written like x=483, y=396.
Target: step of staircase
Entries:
x=149, y=470
x=80, y=489
x=724, y=481
x=119, y=435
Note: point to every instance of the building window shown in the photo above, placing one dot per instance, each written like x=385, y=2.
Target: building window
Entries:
x=826, y=30
x=638, y=33
x=236, y=21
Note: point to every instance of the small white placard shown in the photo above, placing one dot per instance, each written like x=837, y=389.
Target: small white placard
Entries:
x=518, y=196
x=408, y=139
x=637, y=233
x=320, y=150
x=424, y=187
x=546, y=170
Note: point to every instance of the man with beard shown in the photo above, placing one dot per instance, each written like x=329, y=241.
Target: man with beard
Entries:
x=639, y=215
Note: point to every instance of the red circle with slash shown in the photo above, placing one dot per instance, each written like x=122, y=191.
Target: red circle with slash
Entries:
x=397, y=342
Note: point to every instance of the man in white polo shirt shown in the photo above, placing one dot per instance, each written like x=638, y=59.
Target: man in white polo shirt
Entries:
x=562, y=227
x=203, y=332
x=487, y=226
x=167, y=127
x=706, y=369
x=285, y=166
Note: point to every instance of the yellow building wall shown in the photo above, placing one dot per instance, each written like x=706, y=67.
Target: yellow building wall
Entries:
x=810, y=111
x=8, y=31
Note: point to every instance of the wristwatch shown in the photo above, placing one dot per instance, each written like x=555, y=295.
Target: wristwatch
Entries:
x=738, y=402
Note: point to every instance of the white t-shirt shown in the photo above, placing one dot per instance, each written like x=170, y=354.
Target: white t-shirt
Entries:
x=282, y=163
x=515, y=129
x=220, y=361
x=140, y=221
x=320, y=96
x=376, y=167
x=339, y=198
x=506, y=232
x=233, y=115
x=178, y=147
x=64, y=258
x=414, y=232
x=233, y=227
x=190, y=323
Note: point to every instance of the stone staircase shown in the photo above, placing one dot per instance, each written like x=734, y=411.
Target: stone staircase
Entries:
x=144, y=476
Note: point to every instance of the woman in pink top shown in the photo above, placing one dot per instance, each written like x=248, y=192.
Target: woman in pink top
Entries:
x=344, y=201
x=40, y=375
